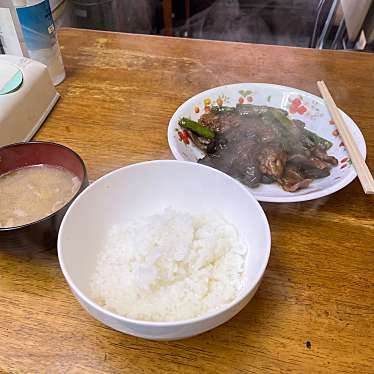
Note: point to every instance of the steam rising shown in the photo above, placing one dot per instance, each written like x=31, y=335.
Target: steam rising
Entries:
x=282, y=22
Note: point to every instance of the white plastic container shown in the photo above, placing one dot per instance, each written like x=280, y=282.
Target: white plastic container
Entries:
x=40, y=36
x=38, y=32
x=27, y=95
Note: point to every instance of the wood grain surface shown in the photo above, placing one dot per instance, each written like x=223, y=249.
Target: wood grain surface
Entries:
x=313, y=312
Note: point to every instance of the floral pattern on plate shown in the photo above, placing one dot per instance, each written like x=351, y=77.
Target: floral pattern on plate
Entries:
x=300, y=105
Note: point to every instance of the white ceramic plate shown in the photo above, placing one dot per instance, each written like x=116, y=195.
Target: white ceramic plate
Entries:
x=300, y=105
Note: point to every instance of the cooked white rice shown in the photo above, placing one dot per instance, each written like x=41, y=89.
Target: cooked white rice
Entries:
x=170, y=266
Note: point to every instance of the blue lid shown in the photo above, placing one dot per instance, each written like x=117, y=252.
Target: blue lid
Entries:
x=11, y=78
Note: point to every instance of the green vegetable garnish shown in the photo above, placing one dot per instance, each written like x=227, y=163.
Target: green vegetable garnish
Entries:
x=322, y=142
x=196, y=127
x=310, y=138
x=284, y=120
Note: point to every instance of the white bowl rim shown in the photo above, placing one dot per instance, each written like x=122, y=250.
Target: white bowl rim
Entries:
x=335, y=187
x=248, y=288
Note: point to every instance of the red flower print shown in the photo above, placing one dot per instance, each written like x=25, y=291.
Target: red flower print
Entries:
x=297, y=107
x=345, y=159
x=332, y=122
x=335, y=132
x=296, y=102
x=241, y=100
x=250, y=99
x=207, y=109
x=343, y=166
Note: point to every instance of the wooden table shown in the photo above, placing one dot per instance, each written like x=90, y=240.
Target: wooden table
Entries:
x=314, y=310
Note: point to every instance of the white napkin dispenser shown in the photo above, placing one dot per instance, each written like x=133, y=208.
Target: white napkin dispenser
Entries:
x=27, y=95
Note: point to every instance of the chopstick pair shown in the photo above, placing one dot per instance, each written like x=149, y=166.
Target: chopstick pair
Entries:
x=358, y=161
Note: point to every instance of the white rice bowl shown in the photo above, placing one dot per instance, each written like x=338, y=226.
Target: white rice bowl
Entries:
x=101, y=213
x=169, y=267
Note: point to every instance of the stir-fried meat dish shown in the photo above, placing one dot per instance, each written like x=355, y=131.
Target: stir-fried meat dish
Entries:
x=260, y=144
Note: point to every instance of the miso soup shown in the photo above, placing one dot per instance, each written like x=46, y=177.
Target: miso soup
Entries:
x=31, y=193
